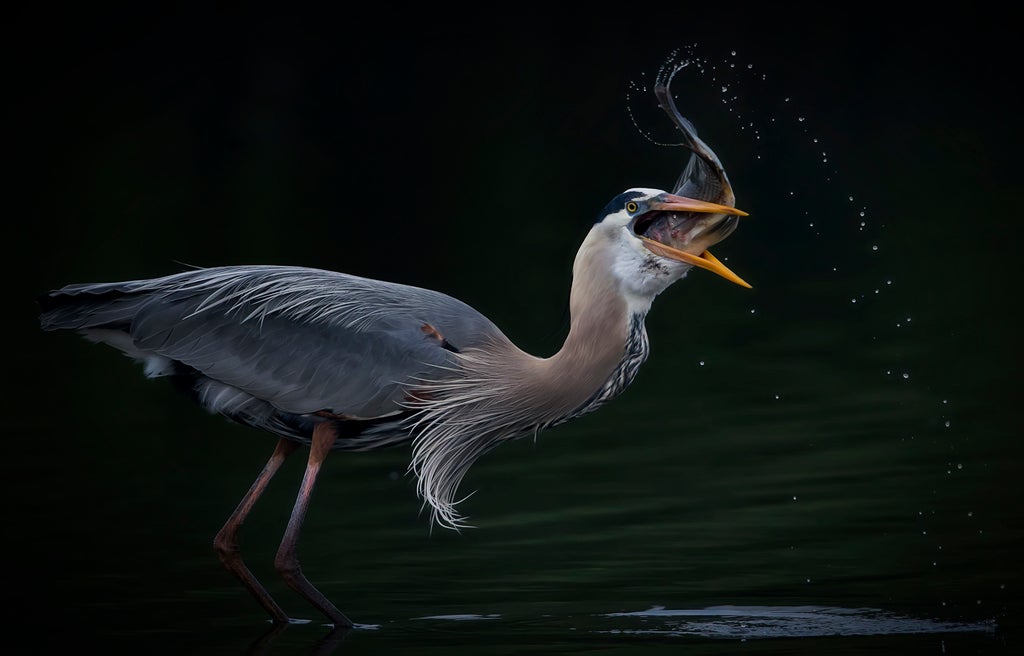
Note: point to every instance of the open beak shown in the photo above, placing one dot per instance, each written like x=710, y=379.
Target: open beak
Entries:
x=705, y=260
x=673, y=203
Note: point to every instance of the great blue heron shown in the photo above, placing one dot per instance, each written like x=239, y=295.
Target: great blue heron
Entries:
x=339, y=362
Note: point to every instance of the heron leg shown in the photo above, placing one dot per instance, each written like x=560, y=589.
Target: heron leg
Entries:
x=287, y=561
x=226, y=541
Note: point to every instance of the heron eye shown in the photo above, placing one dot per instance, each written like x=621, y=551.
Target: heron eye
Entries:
x=632, y=207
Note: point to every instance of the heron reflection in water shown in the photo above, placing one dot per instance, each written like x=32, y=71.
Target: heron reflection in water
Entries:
x=342, y=363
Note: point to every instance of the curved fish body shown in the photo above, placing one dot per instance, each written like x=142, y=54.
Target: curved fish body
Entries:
x=704, y=177
x=688, y=235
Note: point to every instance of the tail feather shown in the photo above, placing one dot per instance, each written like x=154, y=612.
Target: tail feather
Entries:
x=88, y=306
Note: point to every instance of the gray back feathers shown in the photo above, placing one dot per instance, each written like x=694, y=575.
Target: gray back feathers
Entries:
x=303, y=340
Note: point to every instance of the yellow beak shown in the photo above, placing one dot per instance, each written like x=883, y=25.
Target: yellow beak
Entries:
x=705, y=260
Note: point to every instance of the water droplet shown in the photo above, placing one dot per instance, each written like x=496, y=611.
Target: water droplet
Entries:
x=959, y=465
x=794, y=497
x=874, y=247
x=801, y=119
x=906, y=375
x=970, y=514
x=702, y=363
x=947, y=423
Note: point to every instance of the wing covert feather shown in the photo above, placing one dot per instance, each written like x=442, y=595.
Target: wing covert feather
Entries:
x=305, y=339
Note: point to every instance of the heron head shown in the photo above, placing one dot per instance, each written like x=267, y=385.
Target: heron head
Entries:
x=664, y=235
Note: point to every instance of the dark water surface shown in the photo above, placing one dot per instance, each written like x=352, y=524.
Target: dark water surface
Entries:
x=828, y=463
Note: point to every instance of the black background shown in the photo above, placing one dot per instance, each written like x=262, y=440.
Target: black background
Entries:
x=470, y=151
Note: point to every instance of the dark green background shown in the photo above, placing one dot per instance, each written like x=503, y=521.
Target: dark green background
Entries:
x=470, y=153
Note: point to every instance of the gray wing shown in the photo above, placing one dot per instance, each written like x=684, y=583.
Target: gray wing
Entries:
x=300, y=339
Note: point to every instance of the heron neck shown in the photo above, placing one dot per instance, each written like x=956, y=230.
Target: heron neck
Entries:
x=606, y=343
x=598, y=326
x=605, y=346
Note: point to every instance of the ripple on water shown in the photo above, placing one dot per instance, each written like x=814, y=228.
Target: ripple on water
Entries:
x=749, y=622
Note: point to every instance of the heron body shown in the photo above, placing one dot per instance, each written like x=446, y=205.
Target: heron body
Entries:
x=343, y=363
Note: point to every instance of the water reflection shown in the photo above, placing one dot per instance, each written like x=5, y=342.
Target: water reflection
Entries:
x=818, y=628
x=747, y=622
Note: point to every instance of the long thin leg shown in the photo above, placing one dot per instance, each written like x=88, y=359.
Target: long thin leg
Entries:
x=287, y=561
x=226, y=540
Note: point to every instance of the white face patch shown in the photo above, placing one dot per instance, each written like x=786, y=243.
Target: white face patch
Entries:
x=642, y=275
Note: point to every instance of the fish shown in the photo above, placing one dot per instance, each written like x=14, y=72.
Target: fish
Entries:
x=687, y=236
